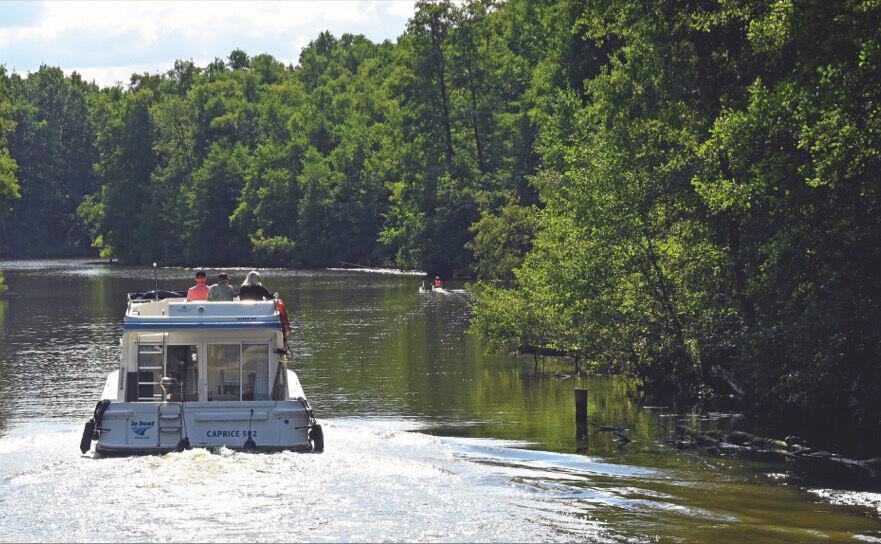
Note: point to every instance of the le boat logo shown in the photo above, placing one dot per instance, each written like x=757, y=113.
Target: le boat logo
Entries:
x=140, y=428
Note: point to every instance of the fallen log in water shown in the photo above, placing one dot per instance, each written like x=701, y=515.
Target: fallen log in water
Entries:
x=809, y=461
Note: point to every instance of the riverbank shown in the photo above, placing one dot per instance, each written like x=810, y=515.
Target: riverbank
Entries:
x=793, y=448
x=721, y=392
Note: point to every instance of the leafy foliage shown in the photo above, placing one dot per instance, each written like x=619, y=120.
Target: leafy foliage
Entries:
x=713, y=205
x=9, y=187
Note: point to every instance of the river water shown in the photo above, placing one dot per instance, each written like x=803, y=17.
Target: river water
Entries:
x=427, y=437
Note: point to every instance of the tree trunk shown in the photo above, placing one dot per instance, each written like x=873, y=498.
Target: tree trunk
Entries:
x=747, y=308
x=437, y=42
x=481, y=164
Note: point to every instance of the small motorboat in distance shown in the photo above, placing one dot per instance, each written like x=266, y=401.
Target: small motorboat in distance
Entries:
x=202, y=374
x=433, y=287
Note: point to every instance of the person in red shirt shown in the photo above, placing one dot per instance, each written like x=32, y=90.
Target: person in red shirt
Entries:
x=437, y=282
x=200, y=290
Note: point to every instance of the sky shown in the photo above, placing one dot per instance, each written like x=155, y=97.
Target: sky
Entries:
x=108, y=41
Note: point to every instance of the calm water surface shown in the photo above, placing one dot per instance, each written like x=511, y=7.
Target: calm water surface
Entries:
x=428, y=438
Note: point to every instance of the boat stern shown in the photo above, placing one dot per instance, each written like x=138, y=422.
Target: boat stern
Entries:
x=134, y=428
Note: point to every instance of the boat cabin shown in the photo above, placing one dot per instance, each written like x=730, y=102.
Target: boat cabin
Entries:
x=201, y=351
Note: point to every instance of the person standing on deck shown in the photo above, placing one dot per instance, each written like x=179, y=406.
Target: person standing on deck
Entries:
x=200, y=290
x=437, y=282
x=252, y=289
x=221, y=291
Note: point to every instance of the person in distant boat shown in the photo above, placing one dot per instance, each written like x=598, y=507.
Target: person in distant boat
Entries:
x=252, y=289
x=221, y=291
x=438, y=284
x=200, y=290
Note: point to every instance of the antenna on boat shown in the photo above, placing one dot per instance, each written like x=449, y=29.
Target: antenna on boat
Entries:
x=155, y=278
x=184, y=442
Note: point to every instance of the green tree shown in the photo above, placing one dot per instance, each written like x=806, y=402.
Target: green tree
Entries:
x=128, y=225
x=789, y=175
x=9, y=188
x=502, y=241
x=211, y=198
x=53, y=145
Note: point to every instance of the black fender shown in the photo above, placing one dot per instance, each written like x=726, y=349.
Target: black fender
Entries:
x=88, y=432
x=316, y=435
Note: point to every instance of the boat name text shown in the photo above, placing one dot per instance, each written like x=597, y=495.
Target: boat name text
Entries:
x=230, y=433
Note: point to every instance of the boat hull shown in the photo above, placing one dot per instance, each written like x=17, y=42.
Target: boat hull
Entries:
x=105, y=451
x=148, y=428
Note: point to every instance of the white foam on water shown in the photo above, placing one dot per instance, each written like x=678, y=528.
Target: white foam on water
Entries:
x=371, y=484
x=867, y=499
x=386, y=271
x=581, y=484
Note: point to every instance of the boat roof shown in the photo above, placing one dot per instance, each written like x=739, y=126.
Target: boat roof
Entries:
x=177, y=313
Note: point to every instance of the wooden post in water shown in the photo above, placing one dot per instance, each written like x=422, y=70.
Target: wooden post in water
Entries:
x=581, y=419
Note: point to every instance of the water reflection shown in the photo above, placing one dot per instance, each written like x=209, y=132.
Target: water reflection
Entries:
x=429, y=438
x=4, y=368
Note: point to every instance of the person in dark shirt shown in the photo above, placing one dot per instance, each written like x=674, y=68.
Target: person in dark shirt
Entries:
x=252, y=289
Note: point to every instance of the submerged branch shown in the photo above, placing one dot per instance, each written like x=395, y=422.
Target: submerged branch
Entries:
x=810, y=462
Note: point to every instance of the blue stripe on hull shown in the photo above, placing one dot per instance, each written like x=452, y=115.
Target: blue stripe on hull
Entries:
x=203, y=325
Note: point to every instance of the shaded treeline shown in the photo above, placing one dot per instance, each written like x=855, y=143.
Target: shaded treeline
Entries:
x=686, y=190
x=715, y=215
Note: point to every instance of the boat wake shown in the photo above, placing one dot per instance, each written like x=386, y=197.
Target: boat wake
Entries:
x=386, y=271
x=378, y=480
x=373, y=483
x=443, y=291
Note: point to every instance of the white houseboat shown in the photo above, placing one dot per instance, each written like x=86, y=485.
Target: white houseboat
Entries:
x=202, y=374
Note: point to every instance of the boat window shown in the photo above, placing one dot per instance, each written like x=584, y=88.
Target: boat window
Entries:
x=182, y=364
x=255, y=372
x=224, y=372
x=149, y=372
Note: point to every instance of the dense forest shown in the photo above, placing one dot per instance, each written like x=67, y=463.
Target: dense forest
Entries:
x=686, y=191
x=361, y=153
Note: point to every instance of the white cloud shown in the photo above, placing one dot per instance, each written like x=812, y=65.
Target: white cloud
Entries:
x=148, y=20
x=403, y=8
x=102, y=40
